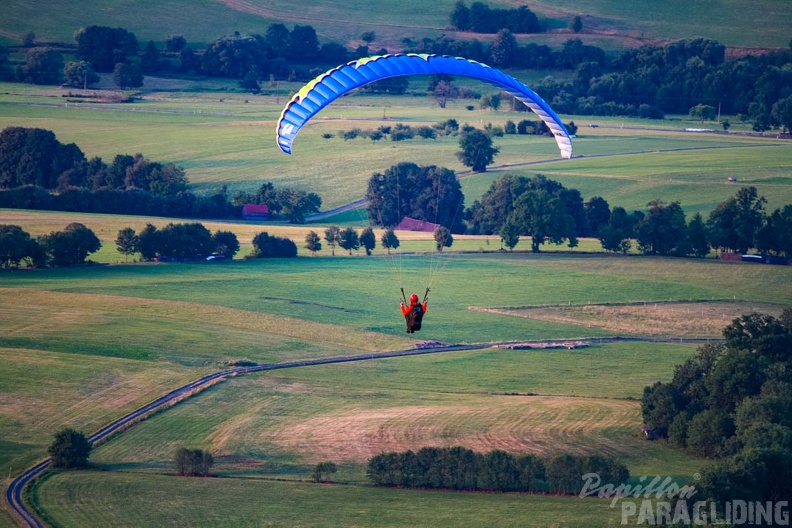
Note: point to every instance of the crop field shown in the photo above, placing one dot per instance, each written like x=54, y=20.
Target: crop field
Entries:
x=81, y=347
x=609, y=24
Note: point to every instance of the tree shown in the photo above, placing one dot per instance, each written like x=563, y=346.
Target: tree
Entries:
x=428, y=193
x=303, y=43
x=175, y=43
x=42, y=66
x=698, y=236
x=150, y=59
x=704, y=112
x=127, y=75
x=368, y=240
x=442, y=238
x=477, y=150
x=193, y=462
x=349, y=240
x=104, y=47
x=576, y=24
x=323, y=470
x=503, y=48
x=127, y=242
x=389, y=240
x=80, y=74
x=663, y=230
x=70, y=449
x=444, y=91
x=510, y=234
x=782, y=112
x=460, y=16
x=14, y=245
x=148, y=242
x=332, y=236
x=70, y=246
x=312, y=242
x=775, y=236
x=616, y=235
x=269, y=246
x=750, y=216
x=225, y=243
x=598, y=213
x=29, y=40
x=297, y=204
x=544, y=216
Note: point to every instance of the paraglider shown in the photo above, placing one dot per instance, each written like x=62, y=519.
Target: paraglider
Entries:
x=334, y=83
x=413, y=313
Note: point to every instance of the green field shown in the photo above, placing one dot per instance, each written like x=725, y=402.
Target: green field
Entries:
x=81, y=347
x=231, y=143
x=608, y=24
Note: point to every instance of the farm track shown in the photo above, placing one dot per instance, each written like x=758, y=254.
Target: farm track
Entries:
x=25, y=517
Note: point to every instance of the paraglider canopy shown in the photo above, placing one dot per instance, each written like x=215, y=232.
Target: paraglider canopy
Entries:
x=334, y=83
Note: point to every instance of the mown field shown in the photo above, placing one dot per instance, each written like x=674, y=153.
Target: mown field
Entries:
x=83, y=346
x=231, y=143
x=609, y=24
x=106, y=338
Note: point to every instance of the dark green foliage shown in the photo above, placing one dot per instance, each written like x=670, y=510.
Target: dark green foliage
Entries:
x=480, y=18
x=477, y=150
x=175, y=43
x=349, y=239
x=734, y=401
x=270, y=246
x=70, y=449
x=323, y=470
x=698, y=237
x=509, y=233
x=294, y=204
x=368, y=240
x=150, y=59
x=127, y=75
x=127, y=242
x=775, y=237
x=313, y=242
x=42, y=66
x=80, y=74
x=225, y=243
x=104, y=47
x=70, y=246
x=389, y=240
x=736, y=223
x=193, y=462
x=15, y=245
x=459, y=468
x=428, y=193
x=33, y=156
x=443, y=238
x=597, y=211
x=663, y=231
x=332, y=236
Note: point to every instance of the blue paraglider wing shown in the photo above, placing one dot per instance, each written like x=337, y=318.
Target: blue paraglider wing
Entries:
x=334, y=83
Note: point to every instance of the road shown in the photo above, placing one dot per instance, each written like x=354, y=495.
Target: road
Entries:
x=17, y=486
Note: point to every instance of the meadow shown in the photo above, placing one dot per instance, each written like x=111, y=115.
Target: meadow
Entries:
x=608, y=24
x=83, y=346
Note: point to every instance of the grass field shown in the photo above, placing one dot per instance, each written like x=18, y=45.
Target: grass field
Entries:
x=232, y=143
x=83, y=346
x=609, y=24
x=159, y=500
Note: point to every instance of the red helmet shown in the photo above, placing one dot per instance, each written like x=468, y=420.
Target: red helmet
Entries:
x=414, y=298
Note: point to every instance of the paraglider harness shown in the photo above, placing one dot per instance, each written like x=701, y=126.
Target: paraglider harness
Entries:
x=415, y=316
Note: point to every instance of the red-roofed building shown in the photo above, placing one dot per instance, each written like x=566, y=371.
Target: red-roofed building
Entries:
x=411, y=224
x=255, y=212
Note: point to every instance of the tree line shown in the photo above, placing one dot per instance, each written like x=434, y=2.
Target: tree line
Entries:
x=648, y=82
x=39, y=172
x=547, y=211
x=459, y=468
x=733, y=402
x=68, y=247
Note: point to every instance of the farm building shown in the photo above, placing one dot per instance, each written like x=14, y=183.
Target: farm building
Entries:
x=411, y=224
x=255, y=212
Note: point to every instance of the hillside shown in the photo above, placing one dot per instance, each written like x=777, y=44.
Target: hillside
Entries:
x=606, y=23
